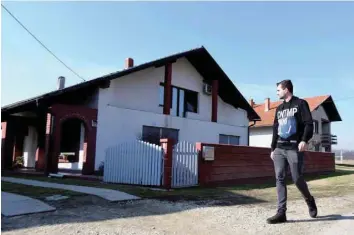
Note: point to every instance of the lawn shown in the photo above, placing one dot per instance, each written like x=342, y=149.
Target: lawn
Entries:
x=35, y=192
x=340, y=182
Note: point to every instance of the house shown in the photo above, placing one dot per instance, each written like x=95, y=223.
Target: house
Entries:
x=186, y=96
x=323, y=112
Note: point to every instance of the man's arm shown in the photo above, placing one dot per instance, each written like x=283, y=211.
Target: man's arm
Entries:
x=307, y=121
x=275, y=131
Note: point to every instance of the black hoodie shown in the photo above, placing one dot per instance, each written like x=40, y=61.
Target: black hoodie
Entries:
x=292, y=124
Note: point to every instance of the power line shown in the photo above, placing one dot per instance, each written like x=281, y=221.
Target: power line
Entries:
x=42, y=43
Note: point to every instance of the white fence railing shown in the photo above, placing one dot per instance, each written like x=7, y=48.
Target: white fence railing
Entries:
x=184, y=165
x=137, y=162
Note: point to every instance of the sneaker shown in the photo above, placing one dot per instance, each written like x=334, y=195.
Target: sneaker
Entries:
x=312, y=207
x=280, y=217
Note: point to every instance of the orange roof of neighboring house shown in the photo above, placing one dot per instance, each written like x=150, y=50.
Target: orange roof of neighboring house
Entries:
x=267, y=117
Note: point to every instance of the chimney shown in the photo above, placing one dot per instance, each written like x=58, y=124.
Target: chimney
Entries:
x=252, y=102
x=129, y=62
x=61, y=83
x=267, y=104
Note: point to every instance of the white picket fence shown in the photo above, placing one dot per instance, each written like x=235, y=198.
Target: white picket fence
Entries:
x=137, y=162
x=184, y=165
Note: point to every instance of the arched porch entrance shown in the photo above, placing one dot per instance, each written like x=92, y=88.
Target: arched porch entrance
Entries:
x=71, y=137
x=72, y=140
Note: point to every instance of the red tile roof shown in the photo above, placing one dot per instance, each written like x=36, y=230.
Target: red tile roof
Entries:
x=268, y=117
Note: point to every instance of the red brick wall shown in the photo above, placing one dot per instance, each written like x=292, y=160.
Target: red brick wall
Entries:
x=317, y=162
x=87, y=115
x=242, y=164
x=3, y=144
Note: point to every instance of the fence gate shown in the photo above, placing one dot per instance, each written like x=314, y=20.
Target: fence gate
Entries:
x=137, y=162
x=184, y=165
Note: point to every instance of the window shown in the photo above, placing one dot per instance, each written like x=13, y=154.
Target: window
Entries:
x=191, y=101
x=182, y=101
x=161, y=95
x=153, y=134
x=229, y=139
x=315, y=126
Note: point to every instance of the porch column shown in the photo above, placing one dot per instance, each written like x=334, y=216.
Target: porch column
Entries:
x=89, y=150
x=40, y=151
x=167, y=89
x=214, y=107
x=7, y=144
x=51, y=145
x=3, y=139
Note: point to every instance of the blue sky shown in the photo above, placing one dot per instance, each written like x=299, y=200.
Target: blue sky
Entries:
x=257, y=44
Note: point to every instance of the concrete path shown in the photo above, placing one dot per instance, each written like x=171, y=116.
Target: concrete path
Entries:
x=14, y=204
x=108, y=194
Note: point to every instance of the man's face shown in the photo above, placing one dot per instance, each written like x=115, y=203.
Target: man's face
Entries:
x=281, y=93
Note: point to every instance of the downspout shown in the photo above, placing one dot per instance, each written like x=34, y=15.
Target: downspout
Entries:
x=248, y=129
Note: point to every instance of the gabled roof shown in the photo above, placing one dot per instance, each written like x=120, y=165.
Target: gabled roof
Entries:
x=267, y=117
x=200, y=58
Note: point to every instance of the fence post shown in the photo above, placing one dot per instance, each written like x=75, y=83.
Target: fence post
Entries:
x=199, y=147
x=167, y=145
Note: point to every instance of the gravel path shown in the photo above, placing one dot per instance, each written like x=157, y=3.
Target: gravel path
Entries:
x=162, y=217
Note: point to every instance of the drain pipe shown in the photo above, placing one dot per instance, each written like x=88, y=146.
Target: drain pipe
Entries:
x=248, y=129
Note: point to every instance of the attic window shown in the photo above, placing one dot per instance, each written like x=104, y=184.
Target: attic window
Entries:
x=182, y=100
x=315, y=126
x=161, y=95
x=191, y=101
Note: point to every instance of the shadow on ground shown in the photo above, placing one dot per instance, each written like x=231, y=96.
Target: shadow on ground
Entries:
x=83, y=209
x=345, y=165
x=324, y=218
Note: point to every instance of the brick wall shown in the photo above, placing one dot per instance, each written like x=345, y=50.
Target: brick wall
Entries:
x=61, y=113
x=243, y=164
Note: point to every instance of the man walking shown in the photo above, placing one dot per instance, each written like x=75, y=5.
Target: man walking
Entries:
x=292, y=129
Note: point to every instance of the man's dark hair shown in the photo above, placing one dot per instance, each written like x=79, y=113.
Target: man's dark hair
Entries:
x=286, y=84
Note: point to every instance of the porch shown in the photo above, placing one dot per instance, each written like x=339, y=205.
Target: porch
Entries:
x=49, y=139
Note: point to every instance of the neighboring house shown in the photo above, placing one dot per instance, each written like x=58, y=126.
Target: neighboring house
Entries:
x=186, y=96
x=323, y=112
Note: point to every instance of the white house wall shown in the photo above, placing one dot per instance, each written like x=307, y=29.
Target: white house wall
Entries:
x=318, y=115
x=133, y=101
x=119, y=125
x=140, y=91
x=261, y=136
x=227, y=114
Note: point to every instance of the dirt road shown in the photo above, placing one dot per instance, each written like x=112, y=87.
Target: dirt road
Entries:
x=162, y=217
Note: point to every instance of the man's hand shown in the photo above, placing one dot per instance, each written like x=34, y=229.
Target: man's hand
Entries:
x=272, y=155
x=302, y=146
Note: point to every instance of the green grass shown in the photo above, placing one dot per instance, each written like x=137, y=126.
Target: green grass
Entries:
x=34, y=192
x=333, y=184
